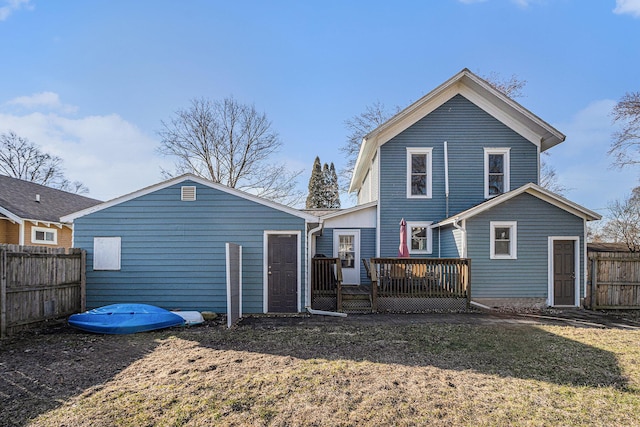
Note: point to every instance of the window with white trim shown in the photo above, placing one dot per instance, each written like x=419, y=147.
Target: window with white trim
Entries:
x=106, y=253
x=496, y=171
x=46, y=236
x=419, y=172
x=419, y=237
x=504, y=240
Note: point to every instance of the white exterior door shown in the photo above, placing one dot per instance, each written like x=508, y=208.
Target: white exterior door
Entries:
x=346, y=246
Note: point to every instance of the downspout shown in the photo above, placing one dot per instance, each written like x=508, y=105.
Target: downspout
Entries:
x=308, y=255
x=308, y=290
x=446, y=179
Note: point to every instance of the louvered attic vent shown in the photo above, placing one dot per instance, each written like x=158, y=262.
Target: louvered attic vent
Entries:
x=188, y=194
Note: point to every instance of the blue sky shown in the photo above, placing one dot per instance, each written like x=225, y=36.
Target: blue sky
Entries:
x=90, y=81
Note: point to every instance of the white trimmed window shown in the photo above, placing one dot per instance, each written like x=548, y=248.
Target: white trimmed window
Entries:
x=496, y=171
x=106, y=253
x=419, y=237
x=46, y=236
x=419, y=172
x=504, y=240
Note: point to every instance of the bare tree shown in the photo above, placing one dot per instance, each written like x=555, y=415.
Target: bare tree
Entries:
x=624, y=221
x=231, y=144
x=358, y=127
x=513, y=88
x=625, y=147
x=22, y=159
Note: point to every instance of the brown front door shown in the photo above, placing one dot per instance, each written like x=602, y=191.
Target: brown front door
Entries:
x=564, y=272
x=282, y=264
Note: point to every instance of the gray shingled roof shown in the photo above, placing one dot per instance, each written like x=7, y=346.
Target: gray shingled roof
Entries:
x=19, y=198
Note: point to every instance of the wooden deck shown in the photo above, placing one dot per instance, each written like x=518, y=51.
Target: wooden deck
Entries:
x=397, y=284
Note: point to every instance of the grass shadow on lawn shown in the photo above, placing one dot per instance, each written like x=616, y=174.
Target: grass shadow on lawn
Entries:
x=517, y=351
x=41, y=369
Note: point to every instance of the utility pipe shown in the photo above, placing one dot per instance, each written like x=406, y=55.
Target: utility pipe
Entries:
x=325, y=313
x=308, y=256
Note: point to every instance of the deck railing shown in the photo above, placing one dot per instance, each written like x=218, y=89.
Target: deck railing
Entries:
x=326, y=280
x=420, y=278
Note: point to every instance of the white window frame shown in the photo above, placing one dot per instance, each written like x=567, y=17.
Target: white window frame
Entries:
x=44, y=230
x=428, y=151
x=107, y=253
x=422, y=224
x=505, y=151
x=513, y=239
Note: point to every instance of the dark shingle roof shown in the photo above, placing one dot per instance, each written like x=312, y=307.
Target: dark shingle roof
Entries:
x=19, y=198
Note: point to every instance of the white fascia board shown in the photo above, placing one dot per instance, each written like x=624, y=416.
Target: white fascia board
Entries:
x=534, y=190
x=13, y=217
x=189, y=177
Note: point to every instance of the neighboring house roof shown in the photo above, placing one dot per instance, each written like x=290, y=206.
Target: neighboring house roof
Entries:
x=25, y=200
x=190, y=177
x=607, y=247
x=476, y=90
x=532, y=189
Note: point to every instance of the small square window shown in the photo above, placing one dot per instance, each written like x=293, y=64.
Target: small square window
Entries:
x=503, y=240
x=419, y=237
x=45, y=236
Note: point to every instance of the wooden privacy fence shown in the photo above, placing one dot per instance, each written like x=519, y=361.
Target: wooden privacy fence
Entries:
x=39, y=283
x=614, y=280
x=420, y=283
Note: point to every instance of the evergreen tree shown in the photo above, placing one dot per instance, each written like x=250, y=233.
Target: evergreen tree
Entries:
x=323, y=187
x=316, y=185
x=334, y=190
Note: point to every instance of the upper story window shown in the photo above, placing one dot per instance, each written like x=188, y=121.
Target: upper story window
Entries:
x=504, y=240
x=419, y=237
x=45, y=236
x=496, y=171
x=419, y=172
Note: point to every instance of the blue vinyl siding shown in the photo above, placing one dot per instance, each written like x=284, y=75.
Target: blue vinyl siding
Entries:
x=324, y=245
x=467, y=130
x=526, y=276
x=173, y=252
x=450, y=242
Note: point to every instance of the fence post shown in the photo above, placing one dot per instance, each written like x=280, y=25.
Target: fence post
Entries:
x=3, y=293
x=83, y=280
x=594, y=282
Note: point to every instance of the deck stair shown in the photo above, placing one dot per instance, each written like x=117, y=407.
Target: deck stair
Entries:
x=356, y=299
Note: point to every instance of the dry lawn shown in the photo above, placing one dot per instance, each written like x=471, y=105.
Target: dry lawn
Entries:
x=329, y=373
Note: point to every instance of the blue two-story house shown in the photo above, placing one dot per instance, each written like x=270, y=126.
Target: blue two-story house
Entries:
x=462, y=165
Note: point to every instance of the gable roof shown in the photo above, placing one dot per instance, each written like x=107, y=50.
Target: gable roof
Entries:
x=19, y=201
x=532, y=189
x=476, y=90
x=197, y=179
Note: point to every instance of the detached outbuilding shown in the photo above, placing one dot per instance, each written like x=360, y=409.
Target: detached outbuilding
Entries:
x=166, y=245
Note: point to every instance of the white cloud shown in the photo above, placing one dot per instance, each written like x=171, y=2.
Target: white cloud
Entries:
x=108, y=154
x=49, y=100
x=582, y=162
x=631, y=7
x=13, y=5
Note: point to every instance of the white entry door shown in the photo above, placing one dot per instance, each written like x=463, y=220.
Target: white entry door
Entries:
x=346, y=246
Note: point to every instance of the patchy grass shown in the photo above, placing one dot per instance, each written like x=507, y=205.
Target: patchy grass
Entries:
x=334, y=373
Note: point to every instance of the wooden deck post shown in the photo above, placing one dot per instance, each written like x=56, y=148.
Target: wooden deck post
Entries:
x=374, y=286
x=339, y=286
